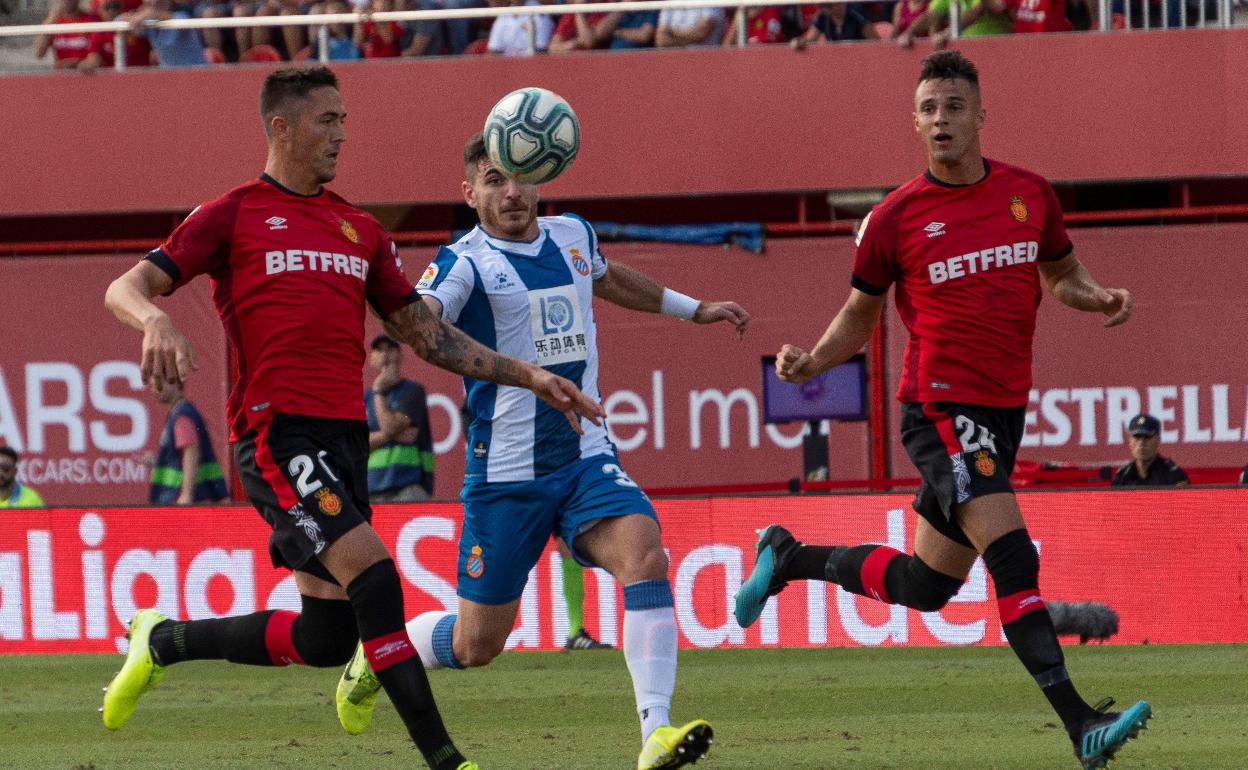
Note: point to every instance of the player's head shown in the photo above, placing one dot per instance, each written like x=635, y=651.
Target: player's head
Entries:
x=169, y=393
x=8, y=465
x=947, y=110
x=1145, y=431
x=384, y=352
x=303, y=118
x=507, y=208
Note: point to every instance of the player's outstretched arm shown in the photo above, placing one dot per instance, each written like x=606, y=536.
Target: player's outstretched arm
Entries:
x=441, y=344
x=632, y=289
x=845, y=336
x=167, y=356
x=1071, y=283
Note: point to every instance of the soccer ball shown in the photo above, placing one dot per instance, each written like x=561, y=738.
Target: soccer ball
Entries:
x=532, y=135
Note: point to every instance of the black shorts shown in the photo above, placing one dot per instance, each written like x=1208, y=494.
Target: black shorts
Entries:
x=962, y=451
x=308, y=478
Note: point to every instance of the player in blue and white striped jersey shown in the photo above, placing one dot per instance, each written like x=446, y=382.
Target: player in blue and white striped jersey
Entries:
x=525, y=285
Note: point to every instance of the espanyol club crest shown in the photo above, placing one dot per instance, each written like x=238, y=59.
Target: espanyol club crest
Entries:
x=476, y=565
x=579, y=262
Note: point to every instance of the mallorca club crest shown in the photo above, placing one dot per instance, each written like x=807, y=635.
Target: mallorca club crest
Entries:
x=984, y=464
x=579, y=262
x=476, y=565
x=348, y=231
x=329, y=503
x=1018, y=209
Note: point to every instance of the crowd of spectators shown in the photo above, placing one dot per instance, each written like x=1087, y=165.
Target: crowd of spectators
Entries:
x=900, y=21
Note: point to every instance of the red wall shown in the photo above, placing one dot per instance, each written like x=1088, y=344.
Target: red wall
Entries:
x=71, y=578
x=1073, y=107
x=1180, y=356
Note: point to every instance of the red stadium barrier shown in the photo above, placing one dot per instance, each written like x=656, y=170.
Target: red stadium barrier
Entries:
x=1169, y=562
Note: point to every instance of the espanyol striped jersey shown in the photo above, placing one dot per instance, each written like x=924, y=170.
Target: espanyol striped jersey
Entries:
x=532, y=301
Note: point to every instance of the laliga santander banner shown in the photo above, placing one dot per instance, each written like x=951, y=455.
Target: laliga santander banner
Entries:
x=1169, y=562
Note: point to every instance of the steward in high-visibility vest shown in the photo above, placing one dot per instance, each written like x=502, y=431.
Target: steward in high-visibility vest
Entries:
x=181, y=444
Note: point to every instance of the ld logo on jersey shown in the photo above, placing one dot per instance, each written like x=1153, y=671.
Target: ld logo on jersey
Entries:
x=348, y=231
x=557, y=326
x=1018, y=209
x=579, y=262
x=428, y=277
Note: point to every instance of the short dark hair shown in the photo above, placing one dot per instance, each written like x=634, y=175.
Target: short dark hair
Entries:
x=283, y=86
x=474, y=153
x=949, y=65
x=383, y=341
x=9, y=452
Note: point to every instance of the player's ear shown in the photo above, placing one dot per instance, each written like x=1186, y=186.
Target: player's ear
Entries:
x=279, y=127
x=469, y=194
x=979, y=119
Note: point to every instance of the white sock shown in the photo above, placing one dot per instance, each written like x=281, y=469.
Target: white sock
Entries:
x=420, y=631
x=650, y=651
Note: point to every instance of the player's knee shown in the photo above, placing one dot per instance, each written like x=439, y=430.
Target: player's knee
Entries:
x=1013, y=562
x=325, y=633
x=476, y=651
x=926, y=589
x=648, y=564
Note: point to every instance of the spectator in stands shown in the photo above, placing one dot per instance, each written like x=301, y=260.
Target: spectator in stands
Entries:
x=763, y=24
x=519, y=35
x=14, y=494
x=288, y=41
x=211, y=9
x=1037, y=15
x=101, y=45
x=173, y=47
x=837, y=22
x=400, y=461
x=635, y=29
x=979, y=18
x=1147, y=468
x=680, y=27
x=583, y=31
x=67, y=50
x=185, y=470
x=341, y=42
x=379, y=39
x=905, y=14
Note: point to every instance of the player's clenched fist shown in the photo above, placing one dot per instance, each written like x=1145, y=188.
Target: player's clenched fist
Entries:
x=794, y=364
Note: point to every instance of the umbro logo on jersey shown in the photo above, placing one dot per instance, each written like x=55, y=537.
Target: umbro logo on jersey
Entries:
x=934, y=229
x=276, y=223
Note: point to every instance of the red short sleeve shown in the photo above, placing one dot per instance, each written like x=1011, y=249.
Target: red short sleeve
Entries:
x=184, y=433
x=1054, y=241
x=387, y=287
x=566, y=29
x=875, y=261
x=201, y=243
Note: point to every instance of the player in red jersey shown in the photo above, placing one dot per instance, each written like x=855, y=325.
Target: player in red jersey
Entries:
x=292, y=266
x=969, y=244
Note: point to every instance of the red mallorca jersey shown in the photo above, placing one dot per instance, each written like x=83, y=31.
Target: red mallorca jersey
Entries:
x=964, y=261
x=290, y=275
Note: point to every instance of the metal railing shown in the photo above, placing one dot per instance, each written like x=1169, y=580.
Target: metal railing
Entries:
x=120, y=28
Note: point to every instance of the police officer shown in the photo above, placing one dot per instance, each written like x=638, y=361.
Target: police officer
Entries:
x=1147, y=468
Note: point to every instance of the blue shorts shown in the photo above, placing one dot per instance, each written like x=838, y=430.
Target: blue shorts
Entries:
x=507, y=524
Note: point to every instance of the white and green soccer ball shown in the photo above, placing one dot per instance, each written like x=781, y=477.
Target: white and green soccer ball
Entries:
x=532, y=134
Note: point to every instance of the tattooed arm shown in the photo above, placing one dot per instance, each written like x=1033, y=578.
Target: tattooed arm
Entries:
x=441, y=344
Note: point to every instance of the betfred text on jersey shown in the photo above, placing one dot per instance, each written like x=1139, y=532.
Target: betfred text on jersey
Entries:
x=982, y=261
x=295, y=260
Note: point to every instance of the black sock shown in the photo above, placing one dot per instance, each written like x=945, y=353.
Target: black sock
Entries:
x=1015, y=568
x=238, y=639
x=377, y=596
x=810, y=562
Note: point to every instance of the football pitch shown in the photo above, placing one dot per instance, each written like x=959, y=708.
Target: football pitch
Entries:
x=950, y=708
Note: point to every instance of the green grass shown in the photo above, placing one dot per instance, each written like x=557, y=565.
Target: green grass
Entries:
x=772, y=710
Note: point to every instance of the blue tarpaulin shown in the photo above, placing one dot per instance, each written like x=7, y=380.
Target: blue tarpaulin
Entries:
x=747, y=235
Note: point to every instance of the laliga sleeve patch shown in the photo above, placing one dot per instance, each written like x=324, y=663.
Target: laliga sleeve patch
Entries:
x=429, y=276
